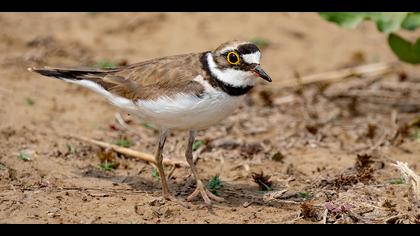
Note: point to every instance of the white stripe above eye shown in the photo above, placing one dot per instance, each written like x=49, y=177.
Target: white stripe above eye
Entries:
x=252, y=58
x=227, y=49
x=232, y=77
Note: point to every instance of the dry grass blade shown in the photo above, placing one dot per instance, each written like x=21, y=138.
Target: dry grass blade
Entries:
x=324, y=216
x=370, y=69
x=412, y=178
x=130, y=152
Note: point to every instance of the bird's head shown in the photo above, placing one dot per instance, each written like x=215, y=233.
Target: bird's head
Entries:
x=237, y=63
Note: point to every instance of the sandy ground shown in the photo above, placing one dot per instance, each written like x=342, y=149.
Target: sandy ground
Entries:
x=63, y=183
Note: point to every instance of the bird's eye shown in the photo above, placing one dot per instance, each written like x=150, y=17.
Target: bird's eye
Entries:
x=233, y=58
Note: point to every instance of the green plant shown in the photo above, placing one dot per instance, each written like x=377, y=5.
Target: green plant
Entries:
x=105, y=64
x=214, y=184
x=304, y=195
x=24, y=157
x=197, y=144
x=123, y=142
x=29, y=101
x=406, y=51
x=147, y=126
x=400, y=180
x=155, y=174
x=386, y=22
x=107, y=166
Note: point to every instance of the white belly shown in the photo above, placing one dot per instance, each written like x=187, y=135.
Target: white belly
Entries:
x=188, y=111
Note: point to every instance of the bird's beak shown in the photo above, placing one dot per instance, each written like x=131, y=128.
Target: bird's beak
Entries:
x=261, y=73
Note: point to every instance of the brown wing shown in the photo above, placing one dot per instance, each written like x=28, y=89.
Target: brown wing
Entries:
x=145, y=80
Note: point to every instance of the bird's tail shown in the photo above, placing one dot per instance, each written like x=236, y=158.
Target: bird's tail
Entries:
x=68, y=73
x=98, y=80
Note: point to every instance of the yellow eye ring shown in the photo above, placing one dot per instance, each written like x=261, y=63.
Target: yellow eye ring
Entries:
x=228, y=58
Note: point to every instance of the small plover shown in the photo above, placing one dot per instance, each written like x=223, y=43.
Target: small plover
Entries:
x=184, y=92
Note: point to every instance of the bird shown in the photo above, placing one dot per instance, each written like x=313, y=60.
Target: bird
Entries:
x=187, y=92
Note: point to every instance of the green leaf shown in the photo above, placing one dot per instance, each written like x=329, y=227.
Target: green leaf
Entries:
x=155, y=173
x=107, y=166
x=197, y=144
x=214, y=184
x=412, y=21
x=404, y=49
x=385, y=21
x=24, y=157
x=344, y=19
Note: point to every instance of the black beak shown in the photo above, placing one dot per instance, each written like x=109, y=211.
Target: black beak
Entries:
x=261, y=73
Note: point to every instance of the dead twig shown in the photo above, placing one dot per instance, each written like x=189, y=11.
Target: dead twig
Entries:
x=324, y=217
x=399, y=86
x=412, y=178
x=274, y=195
x=393, y=219
x=285, y=100
x=149, y=158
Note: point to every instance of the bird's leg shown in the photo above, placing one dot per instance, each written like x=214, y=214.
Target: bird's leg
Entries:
x=200, y=189
x=159, y=163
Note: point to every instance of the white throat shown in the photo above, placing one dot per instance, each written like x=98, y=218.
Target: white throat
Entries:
x=232, y=77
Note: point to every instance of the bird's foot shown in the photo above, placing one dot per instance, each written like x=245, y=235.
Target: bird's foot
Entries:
x=205, y=194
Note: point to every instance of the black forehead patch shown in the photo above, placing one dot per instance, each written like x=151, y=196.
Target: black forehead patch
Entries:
x=247, y=48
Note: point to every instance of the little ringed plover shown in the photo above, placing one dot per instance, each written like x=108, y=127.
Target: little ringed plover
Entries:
x=184, y=92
